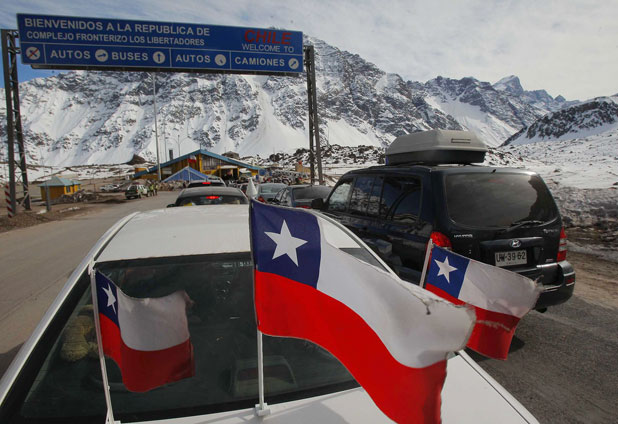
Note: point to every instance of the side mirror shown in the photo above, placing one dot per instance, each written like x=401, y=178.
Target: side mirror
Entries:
x=318, y=204
x=171, y=205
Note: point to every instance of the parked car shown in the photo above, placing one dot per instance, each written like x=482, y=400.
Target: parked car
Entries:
x=136, y=191
x=109, y=187
x=300, y=196
x=505, y=217
x=199, y=196
x=56, y=375
x=267, y=191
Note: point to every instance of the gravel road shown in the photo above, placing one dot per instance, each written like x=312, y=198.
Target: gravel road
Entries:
x=562, y=364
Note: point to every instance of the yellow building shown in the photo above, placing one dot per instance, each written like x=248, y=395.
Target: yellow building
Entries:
x=202, y=161
x=59, y=186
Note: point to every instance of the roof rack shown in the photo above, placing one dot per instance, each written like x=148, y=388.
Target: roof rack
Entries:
x=436, y=147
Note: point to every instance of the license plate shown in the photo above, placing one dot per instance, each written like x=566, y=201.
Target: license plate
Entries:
x=514, y=257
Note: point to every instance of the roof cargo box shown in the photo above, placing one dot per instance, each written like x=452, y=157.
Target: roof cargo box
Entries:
x=436, y=146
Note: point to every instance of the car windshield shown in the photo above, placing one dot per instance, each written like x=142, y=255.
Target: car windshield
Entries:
x=498, y=200
x=224, y=199
x=270, y=188
x=222, y=330
x=311, y=192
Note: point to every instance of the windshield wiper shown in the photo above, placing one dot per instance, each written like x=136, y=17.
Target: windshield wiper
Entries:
x=521, y=223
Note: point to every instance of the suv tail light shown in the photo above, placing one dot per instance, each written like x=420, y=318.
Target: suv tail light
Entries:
x=261, y=199
x=441, y=240
x=562, y=246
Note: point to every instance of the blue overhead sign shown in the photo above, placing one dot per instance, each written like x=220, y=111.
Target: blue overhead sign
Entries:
x=58, y=41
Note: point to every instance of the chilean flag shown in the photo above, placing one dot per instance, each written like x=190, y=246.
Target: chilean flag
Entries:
x=500, y=297
x=392, y=336
x=147, y=338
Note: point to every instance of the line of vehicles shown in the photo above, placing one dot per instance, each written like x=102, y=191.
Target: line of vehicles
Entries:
x=382, y=215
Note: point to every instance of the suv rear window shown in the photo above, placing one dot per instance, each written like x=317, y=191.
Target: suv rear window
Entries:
x=496, y=200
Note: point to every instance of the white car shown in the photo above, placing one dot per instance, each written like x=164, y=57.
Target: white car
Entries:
x=56, y=375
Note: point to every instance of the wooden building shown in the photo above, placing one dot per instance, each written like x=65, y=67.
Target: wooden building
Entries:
x=59, y=186
x=203, y=161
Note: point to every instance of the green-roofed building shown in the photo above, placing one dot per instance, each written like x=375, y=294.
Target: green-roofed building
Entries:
x=59, y=186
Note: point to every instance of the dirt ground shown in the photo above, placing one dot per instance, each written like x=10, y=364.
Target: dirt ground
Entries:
x=596, y=279
x=38, y=213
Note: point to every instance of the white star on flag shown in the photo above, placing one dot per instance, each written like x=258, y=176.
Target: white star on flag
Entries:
x=286, y=244
x=445, y=269
x=111, y=300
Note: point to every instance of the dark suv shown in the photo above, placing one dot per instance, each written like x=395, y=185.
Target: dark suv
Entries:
x=501, y=216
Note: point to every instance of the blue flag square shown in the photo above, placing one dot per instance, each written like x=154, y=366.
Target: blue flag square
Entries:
x=447, y=271
x=286, y=242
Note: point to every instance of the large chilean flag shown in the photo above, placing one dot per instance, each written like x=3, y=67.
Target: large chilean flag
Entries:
x=148, y=338
x=392, y=336
x=500, y=297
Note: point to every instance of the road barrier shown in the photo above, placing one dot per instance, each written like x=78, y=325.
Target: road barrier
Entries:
x=7, y=196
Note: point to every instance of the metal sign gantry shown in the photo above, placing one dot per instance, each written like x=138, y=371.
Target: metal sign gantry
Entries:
x=61, y=42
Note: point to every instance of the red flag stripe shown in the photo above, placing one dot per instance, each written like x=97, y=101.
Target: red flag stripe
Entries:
x=290, y=309
x=145, y=370
x=493, y=331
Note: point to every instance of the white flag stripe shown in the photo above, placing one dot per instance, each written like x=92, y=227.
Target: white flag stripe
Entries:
x=153, y=323
x=395, y=310
x=498, y=290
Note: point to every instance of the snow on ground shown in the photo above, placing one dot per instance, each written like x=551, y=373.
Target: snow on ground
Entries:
x=588, y=162
x=38, y=174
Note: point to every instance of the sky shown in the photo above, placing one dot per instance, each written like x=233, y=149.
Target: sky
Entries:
x=567, y=47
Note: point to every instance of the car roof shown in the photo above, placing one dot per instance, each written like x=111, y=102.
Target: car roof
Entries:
x=172, y=232
x=446, y=169
x=210, y=190
x=272, y=184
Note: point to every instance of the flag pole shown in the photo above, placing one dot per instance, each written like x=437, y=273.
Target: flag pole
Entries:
x=261, y=409
x=427, y=255
x=109, y=418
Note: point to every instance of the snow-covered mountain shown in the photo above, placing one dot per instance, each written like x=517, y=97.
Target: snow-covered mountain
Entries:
x=590, y=118
x=538, y=98
x=83, y=117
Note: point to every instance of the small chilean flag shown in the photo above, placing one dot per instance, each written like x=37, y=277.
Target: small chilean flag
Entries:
x=392, y=336
x=147, y=338
x=500, y=297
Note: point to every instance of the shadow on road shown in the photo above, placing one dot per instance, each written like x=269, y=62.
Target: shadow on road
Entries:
x=516, y=344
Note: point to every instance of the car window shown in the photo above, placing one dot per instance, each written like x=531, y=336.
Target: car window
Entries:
x=361, y=192
x=68, y=386
x=409, y=204
x=495, y=200
x=270, y=188
x=396, y=190
x=212, y=200
x=338, y=200
x=373, y=206
x=312, y=192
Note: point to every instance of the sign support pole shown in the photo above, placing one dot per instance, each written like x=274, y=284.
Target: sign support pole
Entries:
x=13, y=119
x=314, y=123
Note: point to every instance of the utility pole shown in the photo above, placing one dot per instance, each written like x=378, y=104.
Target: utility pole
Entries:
x=154, y=96
x=178, y=144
